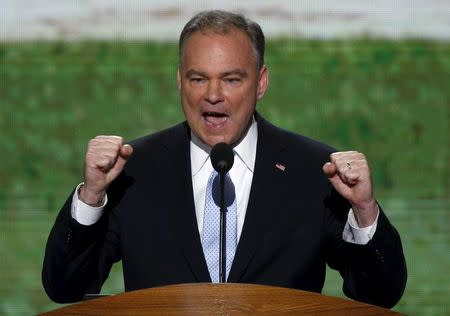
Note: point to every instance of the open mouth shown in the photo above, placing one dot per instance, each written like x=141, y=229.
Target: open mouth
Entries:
x=215, y=118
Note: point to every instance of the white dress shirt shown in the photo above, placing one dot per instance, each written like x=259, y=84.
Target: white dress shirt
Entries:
x=241, y=175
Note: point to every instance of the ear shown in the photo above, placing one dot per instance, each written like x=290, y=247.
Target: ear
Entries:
x=178, y=79
x=263, y=82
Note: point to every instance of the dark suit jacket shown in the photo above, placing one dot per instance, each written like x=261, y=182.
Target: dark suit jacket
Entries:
x=293, y=227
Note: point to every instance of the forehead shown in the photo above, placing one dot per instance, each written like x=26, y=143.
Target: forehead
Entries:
x=204, y=48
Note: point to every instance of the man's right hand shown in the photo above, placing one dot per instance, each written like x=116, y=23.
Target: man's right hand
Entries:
x=105, y=158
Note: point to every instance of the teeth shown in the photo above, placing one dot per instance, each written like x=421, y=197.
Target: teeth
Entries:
x=214, y=114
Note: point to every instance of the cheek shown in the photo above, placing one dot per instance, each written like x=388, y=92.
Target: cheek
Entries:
x=191, y=97
x=245, y=105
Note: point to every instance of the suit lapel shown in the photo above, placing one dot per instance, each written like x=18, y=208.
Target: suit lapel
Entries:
x=262, y=206
x=182, y=208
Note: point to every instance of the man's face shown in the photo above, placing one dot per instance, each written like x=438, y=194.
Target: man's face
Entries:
x=219, y=84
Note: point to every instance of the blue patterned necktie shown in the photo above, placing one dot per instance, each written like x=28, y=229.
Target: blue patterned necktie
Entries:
x=211, y=225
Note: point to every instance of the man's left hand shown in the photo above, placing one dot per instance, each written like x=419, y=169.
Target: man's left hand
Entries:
x=349, y=173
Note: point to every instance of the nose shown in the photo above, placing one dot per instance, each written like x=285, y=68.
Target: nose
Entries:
x=213, y=92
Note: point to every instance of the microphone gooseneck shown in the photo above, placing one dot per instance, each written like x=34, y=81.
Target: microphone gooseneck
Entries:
x=222, y=159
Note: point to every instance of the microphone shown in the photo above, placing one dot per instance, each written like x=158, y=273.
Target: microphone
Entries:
x=222, y=159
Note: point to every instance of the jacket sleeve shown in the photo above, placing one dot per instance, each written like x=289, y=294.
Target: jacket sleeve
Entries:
x=78, y=258
x=374, y=273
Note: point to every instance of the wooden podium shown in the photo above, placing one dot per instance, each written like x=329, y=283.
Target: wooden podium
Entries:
x=220, y=299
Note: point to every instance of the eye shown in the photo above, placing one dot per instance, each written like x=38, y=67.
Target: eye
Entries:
x=233, y=80
x=197, y=80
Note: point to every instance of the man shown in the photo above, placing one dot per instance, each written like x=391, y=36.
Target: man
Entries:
x=296, y=207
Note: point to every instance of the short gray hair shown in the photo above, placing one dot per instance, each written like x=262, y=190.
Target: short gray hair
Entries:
x=222, y=22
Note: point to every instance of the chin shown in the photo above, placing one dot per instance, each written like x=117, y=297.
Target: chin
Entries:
x=214, y=142
x=211, y=141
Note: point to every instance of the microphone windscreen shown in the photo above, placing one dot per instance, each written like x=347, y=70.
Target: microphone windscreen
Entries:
x=222, y=157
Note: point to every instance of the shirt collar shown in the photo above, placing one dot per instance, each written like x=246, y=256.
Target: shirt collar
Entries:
x=245, y=150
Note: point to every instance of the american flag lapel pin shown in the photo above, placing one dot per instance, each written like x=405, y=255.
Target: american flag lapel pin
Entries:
x=280, y=166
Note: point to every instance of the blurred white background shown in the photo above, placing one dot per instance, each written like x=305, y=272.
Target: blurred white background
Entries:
x=162, y=20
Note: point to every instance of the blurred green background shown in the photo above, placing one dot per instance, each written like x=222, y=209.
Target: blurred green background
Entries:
x=388, y=99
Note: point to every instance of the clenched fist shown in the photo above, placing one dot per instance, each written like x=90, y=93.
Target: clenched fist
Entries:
x=105, y=159
x=349, y=174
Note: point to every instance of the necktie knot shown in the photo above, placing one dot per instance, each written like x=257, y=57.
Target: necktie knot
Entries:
x=230, y=194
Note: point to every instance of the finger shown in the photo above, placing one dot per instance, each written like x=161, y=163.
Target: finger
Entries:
x=339, y=155
x=103, y=159
x=349, y=178
x=349, y=171
x=106, y=163
x=102, y=141
x=126, y=151
x=329, y=169
x=124, y=154
x=110, y=137
x=104, y=147
x=345, y=156
x=346, y=161
x=339, y=185
x=103, y=151
x=105, y=143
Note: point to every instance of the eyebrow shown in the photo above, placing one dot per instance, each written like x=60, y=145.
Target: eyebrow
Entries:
x=239, y=72
x=193, y=72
